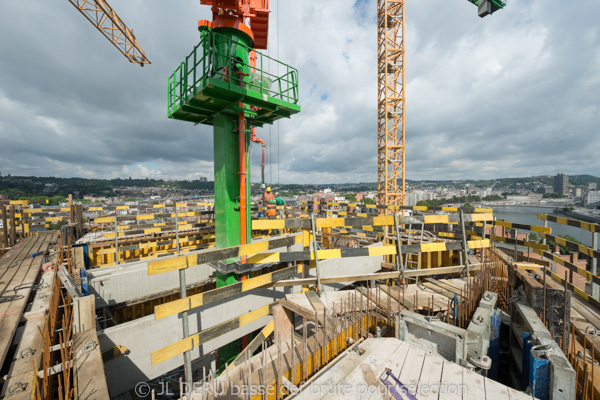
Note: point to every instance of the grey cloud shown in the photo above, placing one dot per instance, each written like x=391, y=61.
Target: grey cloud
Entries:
x=513, y=94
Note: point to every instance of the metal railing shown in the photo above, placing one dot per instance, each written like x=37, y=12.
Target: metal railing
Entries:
x=200, y=66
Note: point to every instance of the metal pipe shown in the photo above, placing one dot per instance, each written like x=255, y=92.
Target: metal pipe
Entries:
x=187, y=358
x=465, y=245
x=264, y=145
x=564, y=339
x=176, y=230
x=516, y=245
x=483, y=238
x=116, y=241
x=243, y=174
x=4, y=228
x=314, y=232
x=595, y=288
x=544, y=279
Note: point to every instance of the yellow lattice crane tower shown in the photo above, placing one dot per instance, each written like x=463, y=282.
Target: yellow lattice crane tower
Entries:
x=390, y=142
x=391, y=150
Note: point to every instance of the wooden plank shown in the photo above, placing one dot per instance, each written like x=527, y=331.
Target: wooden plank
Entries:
x=437, y=289
x=345, y=367
x=394, y=359
x=528, y=266
x=315, y=301
x=21, y=284
x=348, y=365
x=473, y=384
x=411, y=370
x=395, y=293
x=452, y=379
x=364, y=374
x=21, y=369
x=376, y=276
x=90, y=380
x=514, y=394
x=253, y=345
x=495, y=390
x=429, y=383
x=443, y=285
x=381, y=299
x=458, y=284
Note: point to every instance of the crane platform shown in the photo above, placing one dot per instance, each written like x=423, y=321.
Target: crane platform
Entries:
x=198, y=90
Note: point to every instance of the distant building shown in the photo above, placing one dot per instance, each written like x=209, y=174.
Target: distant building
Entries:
x=371, y=195
x=592, y=186
x=592, y=199
x=578, y=193
x=203, y=179
x=561, y=183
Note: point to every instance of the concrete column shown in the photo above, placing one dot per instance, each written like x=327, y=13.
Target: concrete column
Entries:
x=71, y=209
x=80, y=218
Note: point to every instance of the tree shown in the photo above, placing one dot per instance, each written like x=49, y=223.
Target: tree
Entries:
x=563, y=249
x=553, y=196
x=534, y=237
x=493, y=197
x=367, y=200
x=56, y=226
x=350, y=197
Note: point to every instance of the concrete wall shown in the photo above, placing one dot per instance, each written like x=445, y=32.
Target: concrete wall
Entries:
x=145, y=335
x=112, y=285
x=117, y=284
x=347, y=266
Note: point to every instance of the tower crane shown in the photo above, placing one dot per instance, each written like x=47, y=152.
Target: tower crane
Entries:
x=391, y=149
x=224, y=82
x=106, y=20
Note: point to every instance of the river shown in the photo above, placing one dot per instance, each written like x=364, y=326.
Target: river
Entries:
x=528, y=216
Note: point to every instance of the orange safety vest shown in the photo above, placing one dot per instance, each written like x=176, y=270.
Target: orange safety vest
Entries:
x=268, y=196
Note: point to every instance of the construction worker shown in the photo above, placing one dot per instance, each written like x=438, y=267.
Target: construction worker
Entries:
x=271, y=209
x=268, y=196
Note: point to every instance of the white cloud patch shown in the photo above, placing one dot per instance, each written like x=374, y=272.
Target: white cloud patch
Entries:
x=52, y=124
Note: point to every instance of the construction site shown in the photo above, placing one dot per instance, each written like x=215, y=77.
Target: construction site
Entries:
x=232, y=296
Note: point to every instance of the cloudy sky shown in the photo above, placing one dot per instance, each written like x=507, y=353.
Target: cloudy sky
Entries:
x=513, y=94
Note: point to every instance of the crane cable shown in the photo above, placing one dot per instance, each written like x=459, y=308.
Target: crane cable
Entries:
x=278, y=181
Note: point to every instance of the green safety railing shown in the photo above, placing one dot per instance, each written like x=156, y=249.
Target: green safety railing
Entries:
x=199, y=67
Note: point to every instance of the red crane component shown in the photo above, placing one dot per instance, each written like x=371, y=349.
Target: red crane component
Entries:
x=235, y=14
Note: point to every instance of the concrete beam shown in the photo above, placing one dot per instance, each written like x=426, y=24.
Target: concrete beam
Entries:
x=118, y=284
x=347, y=266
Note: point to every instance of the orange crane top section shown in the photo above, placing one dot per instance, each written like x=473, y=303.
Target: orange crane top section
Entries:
x=237, y=14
